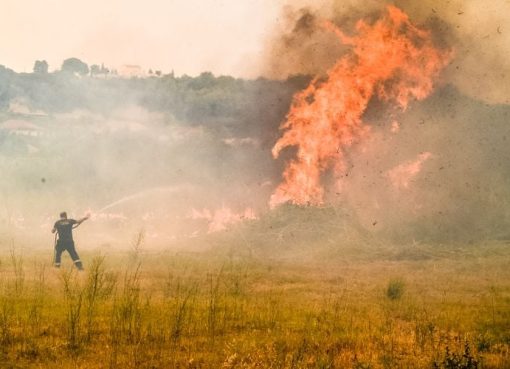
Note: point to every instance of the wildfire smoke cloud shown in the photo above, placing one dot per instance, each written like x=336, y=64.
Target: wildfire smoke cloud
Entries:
x=391, y=60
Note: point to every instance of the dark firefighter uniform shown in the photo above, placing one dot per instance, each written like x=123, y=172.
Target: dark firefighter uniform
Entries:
x=65, y=242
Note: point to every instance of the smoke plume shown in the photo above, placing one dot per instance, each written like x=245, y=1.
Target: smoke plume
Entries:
x=434, y=170
x=478, y=31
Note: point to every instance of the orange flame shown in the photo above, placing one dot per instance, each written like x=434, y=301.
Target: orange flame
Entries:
x=221, y=218
x=392, y=60
x=402, y=174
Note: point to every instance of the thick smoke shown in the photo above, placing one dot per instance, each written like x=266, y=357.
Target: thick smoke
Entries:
x=476, y=29
x=138, y=154
x=166, y=154
x=452, y=147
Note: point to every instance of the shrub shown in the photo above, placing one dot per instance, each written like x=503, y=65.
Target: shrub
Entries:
x=453, y=360
x=395, y=289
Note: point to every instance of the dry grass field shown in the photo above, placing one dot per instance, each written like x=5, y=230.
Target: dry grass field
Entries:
x=443, y=306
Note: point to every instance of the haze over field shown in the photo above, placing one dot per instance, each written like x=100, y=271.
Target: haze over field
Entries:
x=181, y=156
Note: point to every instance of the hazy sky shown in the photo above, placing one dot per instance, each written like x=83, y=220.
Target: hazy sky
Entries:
x=188, y=36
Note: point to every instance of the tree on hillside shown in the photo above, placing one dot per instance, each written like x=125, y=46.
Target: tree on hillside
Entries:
x=75, y=65
x=204, y=80
x=6, y=86
x=94, y=70
x=104, y=70
x=41, y=67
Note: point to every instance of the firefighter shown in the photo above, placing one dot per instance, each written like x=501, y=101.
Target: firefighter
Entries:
x=64, y=228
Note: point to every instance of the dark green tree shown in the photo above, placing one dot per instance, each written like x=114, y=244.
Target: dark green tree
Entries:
x=41, y=67
x=76, y=66
x=94, y=70
x=104, y=70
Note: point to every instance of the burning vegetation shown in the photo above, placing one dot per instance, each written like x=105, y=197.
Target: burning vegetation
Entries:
x=377, y=131
x=391, y=60
x=354, y=215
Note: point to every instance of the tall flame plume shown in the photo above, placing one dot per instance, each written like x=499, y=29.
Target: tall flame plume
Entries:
x=392, y=60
